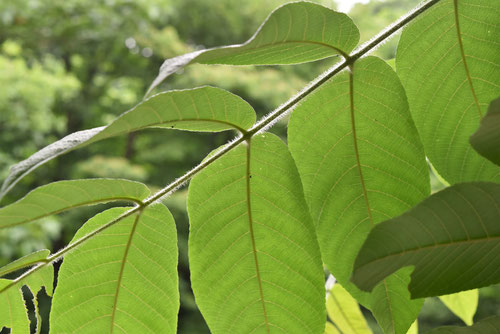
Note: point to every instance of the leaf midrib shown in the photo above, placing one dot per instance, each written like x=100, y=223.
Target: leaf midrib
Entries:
x=122, y=268
x=440, y=244
x=252, y=236
x=464, y=60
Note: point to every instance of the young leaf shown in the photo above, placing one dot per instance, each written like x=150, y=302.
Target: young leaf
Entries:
x=462, y=304
x=457, y=227
x=361, y=162
x=486, y=140
x=13, y=313
x=294, y=33
x=448, y=60
x=488, y=325
x=64, y=195
x=254, y=258
x=344, y=312
x=200, y=109
x=122, y=280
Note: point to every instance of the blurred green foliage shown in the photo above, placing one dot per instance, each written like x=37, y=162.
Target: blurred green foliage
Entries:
x=68, y=65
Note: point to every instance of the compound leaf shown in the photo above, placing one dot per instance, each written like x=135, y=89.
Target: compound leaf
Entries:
x=462, y=304
x=488, y=325
x=64, y=195
x=294, y=33
x=456, y=227
x=448, y=60
x=200, y=109
x=124, y=279
x=486, y=140
x=361, y=162
x=254, y=258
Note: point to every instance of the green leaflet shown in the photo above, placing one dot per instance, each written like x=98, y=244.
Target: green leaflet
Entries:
x=25, y=261
x=344, y=312
x=13, y=313
x=456, y=227
x=294, y=33
x=254, y=259
x=342, y=201
x=200, y=109
x=463, y=304
x=486, y=140
x=449, y=63
x=488, y=325
x=122, y=280
x=64, y=195
x=331, y=329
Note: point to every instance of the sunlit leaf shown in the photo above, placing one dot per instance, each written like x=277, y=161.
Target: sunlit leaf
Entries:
x=451, y=239
x=123, y=279
x=331, y=329
x=486, y=140
x=25, y=261
x=254, y=259
x=13, y=313
x=294, y=33
x=344, y=312
x=486, y=326
x=200, y=109
x=353, y=180
x=448, y=60
x=413, y=328
x=64, y=195
x=462, y=304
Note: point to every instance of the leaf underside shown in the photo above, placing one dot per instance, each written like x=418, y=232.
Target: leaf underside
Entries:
x=123, y=280
x=294, y=33
x=254, y=258
x=448, y=60
x=64, y=195
x=13, y=312
x=206, y=109
x=486, y=140
x=457, y=227
x=351, y=180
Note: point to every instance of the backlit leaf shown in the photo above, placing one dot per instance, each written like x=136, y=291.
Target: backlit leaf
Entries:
x=254, y=258
x=486, y=140
x=200, y=109
x=451, y=239
x=353, y=180
x=448, y=60
x=344, y=312
x=64, y=195
x=25, y=261
x=462, y=304
x=294, y=33
x=123, y=280
x=331, y=329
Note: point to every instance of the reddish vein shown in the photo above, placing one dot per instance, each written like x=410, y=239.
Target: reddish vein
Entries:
x=464, y=60
x=252, y=236
x=355, y=141
x=122, y=268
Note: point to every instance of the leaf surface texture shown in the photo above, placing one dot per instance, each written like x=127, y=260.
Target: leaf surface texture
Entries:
x=254, y=258
x=451, y=239
x=361, y=162
x=486, y=140
x=123, y=280
x=448, y=60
